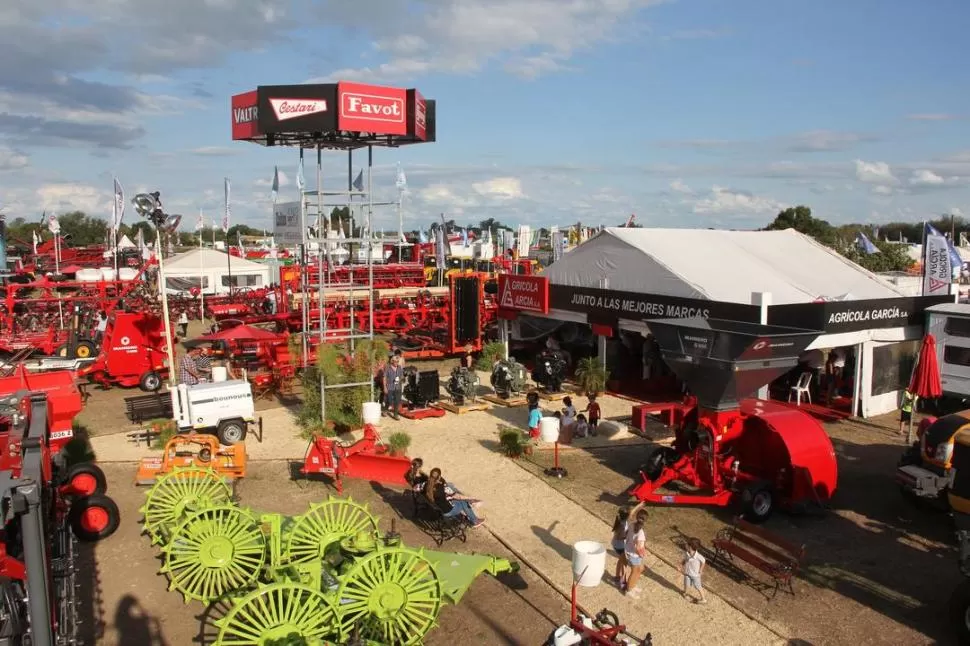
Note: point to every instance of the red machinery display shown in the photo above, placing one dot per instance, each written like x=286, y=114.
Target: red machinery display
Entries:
x=386, y=276
x=38, y=314
x=469, y=313
x=730, y=448
x=603, y=629
x=132, y=353
x=64, y=400
x=366, y=459
x=44, y=513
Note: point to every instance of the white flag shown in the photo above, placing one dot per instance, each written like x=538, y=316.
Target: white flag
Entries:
x=53, y=225
x=300, y=181
x=36, y=241
x=275, y=190
x=118, y=209
x=225, y=216
x=201, y=223
x=402, y=180
x=937, y=274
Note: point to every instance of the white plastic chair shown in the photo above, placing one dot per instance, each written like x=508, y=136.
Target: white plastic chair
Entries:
x=801, y=388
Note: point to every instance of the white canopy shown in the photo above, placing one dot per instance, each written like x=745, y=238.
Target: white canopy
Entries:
x=211, y=270
x=717, y=265
x=125, y=243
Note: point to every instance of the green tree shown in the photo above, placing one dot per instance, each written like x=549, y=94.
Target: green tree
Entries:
x=800, y=219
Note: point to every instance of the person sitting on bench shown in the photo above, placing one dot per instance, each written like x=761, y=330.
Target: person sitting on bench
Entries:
x=450, y=506
x=415, y=476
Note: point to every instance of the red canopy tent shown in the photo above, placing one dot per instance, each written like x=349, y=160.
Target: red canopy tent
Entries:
x=241, y=333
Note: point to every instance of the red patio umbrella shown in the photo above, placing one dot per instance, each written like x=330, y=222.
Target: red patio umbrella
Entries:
x=925, y=381
x=241, y=333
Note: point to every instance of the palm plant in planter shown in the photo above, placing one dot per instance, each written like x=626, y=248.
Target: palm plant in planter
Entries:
x=591, y=375
x=513, y=442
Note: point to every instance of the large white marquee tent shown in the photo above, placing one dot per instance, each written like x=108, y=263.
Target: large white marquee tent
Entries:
x=210, y=270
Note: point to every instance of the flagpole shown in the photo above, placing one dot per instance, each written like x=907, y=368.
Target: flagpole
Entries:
x=923, y=249
x=226, y=232
x=201, y=270
x=304, y=256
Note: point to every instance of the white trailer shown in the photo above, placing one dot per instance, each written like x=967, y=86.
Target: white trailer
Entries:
x=224, y=408
x=949, y=323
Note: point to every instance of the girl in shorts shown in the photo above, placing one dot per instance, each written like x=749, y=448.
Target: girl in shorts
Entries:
x=618, y=542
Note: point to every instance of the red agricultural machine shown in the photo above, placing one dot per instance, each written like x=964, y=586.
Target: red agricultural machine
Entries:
x=132, y=353
x=728, y=448
x=366, y=459
x=64, y=400
x=470, y=311
x=47, y=507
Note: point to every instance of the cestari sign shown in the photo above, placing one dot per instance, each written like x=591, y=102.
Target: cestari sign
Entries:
x=523, y=293
x=293, y=108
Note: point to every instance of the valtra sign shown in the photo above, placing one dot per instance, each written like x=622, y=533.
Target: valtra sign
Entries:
x=372, y=108
x=523, y=293
x=292, y=108
x=245, y=115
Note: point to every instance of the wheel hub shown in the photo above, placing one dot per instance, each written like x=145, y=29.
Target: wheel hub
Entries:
x=278, y=633
x=387, y=599
x=216, y=552
x=94, y=519
x=761, y=503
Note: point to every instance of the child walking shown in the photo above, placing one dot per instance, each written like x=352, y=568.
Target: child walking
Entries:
x=618, y=543
x=634, y=550
x=693, y=568
x=594, y=414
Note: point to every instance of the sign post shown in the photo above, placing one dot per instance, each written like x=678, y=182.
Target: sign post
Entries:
x=523, y=293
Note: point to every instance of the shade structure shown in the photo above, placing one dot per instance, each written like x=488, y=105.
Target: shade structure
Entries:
x=925, y=383
x=241, y=333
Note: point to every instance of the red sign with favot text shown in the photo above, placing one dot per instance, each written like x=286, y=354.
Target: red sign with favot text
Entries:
x=372, y=108
x=523, y=293
x=245, y=116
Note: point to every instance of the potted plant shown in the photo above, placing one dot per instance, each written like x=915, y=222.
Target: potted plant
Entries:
x=591, y=375
x=398, y=443
x=513, y=443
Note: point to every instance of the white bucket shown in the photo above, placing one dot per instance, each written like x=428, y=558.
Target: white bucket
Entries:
x=589, y=563
x=219, y=373
x=549, y=429
x=371, y=412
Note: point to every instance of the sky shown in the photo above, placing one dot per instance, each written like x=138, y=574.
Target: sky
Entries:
x=687, y=113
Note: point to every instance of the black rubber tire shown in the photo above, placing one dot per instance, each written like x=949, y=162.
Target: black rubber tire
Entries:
x=92, y=470
x=960, y=612
x=150, y=382
x=231, y=431
x=757, y=502
x=76, y=514
x=659, y=458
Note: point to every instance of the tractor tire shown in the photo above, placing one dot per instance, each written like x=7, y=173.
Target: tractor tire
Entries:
x=87, y=479
x=658, y=459
x=61, y=352
x=960, y=612
x=94, y=518
x=85, y=350
x=150, y=382
x=231, y=431
x=757, y=502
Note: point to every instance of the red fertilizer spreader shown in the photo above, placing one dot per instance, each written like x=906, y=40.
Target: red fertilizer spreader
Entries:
x=729, y=448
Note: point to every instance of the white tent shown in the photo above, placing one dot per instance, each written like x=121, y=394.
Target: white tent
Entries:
x=211, y=270
x=717, y=265
x=126, y=243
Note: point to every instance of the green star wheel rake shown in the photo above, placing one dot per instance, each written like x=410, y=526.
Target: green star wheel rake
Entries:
x=325, y=577
x=179, y=493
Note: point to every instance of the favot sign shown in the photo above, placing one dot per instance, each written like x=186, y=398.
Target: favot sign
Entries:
x=372, y=108
x=523, y=293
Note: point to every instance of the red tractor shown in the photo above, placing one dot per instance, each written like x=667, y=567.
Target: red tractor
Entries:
x=367, y=459
x=732, y=449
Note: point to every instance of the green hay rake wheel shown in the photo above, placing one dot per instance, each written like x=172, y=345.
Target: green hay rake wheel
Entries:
x=323, y=524
x=214, y=552
x=392, y=596
x=179, y=493
x=276, y=611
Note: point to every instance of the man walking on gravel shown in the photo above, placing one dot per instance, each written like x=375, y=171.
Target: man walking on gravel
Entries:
x=394, y=386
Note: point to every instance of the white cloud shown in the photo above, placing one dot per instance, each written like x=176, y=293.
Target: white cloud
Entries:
x=500, y=188
x=528, y=37
x=12, y=160
x=69, y=196
x=925, y=178
x=874, y=172
x=725, y=200
x=826, y=141
x=679, y=187
x=882, y=190
x=268, y=181
x=216, y=151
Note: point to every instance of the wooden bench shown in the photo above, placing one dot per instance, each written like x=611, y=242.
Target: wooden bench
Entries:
x=434, y=523
x=144, y=408
x=778, y=558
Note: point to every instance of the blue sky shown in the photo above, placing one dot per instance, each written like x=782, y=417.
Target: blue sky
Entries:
x=692, y=113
